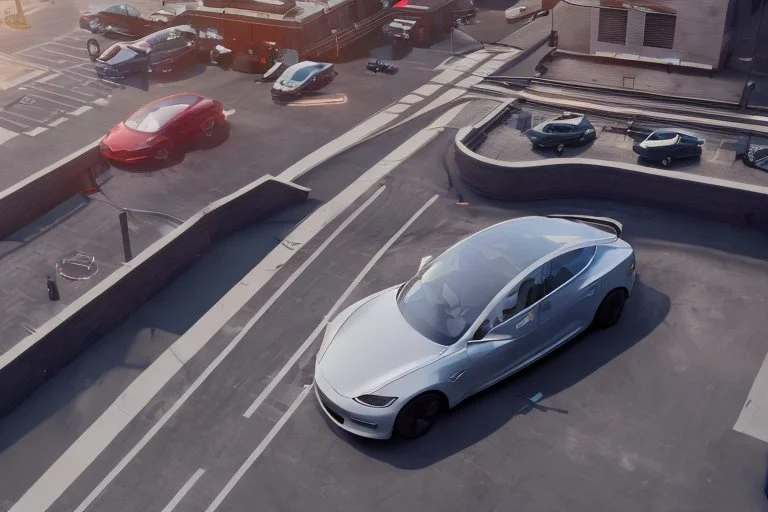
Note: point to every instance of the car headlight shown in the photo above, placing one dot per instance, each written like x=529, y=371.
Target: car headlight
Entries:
x=375, y=400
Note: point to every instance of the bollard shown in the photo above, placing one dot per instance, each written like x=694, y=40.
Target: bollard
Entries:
x=53, y=290
x=126, y=237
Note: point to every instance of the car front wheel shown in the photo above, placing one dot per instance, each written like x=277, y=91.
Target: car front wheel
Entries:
x=418, y=416
x=666, y=161
x=560, y=148
x=610, y=309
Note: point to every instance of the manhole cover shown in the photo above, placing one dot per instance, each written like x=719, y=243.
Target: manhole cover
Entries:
x=77, y=266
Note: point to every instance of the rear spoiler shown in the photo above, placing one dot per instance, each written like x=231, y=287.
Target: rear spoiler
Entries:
x=612, y=224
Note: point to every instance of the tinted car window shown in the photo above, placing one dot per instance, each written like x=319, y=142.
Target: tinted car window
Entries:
x=530, y=291
x=564, y=267
x=117, y=9
x=303, y=73
x=132, y=11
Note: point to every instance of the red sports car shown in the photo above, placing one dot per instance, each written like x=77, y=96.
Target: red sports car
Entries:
x=160, y=129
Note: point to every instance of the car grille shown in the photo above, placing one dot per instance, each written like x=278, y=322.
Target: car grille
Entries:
x=326, y=405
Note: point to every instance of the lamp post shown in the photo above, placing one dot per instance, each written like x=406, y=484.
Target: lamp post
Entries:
x=17, y=20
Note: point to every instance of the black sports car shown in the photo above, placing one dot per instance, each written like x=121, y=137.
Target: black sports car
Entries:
x=667, y=144
x=756, y=154
x=166, y=51
x=303, y=77
x=567, y=129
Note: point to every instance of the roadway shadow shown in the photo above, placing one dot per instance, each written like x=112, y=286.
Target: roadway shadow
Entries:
x=73, y=398
x=571, y=151
x=482, y=415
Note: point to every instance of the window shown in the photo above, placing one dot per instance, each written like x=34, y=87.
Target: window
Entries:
x=132, y=11
x=612, y=27
x=116, y=9
x=557, y=128
x=564, y=267
x=530, y=291
x=659, y=30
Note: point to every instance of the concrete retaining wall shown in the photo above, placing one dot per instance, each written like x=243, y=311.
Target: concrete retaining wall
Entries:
x=557, y=178
x=26, y=366
x=46, y=189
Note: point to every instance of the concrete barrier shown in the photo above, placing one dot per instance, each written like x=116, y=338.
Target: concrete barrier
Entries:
x=40, y=193
x=38, y=356
x=559, y=178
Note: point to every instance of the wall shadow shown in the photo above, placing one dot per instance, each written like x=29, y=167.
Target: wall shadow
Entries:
x=482, y=415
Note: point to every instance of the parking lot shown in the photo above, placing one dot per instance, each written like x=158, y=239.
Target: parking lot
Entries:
x=637, y=417
x=718, y=160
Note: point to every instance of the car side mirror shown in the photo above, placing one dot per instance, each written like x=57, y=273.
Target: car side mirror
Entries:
x=424, y=261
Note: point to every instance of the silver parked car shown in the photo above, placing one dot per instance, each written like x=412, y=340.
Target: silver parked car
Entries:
x=484, y=309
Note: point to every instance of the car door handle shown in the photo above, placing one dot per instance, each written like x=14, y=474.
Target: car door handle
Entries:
x=589, y=293
x=546, y=306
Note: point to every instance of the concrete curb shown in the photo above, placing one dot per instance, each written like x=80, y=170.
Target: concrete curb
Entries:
x=37, y=357
x=560, y=178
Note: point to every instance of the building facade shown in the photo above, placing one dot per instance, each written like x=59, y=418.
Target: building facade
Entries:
x=693, y=33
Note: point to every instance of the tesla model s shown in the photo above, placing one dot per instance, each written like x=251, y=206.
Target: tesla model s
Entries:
x=160, y=129
x=667, y=144
x=487, y=307
x=303, y=77
x=564, y=130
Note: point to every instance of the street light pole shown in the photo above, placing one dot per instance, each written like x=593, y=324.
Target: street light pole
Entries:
x=17, y=20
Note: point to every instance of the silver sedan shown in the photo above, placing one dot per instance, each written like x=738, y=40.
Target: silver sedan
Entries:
x=487, y=307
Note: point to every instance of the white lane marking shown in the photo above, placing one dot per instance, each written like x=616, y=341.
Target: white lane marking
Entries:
x=81, y=110
x=67, y=55
x=410, y=99
x=56, y=93
x=36, y=131
x=427, y=89
x=470, y=81
x=183, y=491
x=102, y=102
x=48, y=78
x=447, y=76
x=753, y=419
x=80, y=48
x=20, y=125
x=259, y=450
x=344, y=296
x=70, y=34
x=40, y=57
x=398, y=108
x=74, y=461
x=58, y=121
x=228, y=113
x=141, y=390
x=6, y=135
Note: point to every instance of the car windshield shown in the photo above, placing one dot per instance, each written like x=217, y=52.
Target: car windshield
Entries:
x=303, y=73
x=445, y=298
x=152, y=118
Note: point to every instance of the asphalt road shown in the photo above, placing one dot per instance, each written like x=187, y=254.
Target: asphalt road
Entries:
x=638, y=417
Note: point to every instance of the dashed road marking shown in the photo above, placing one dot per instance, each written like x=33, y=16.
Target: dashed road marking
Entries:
x=184, y=490
x=81, y=110
x=36, y=131
x=6, y=135
x=228, y=113
x=58, y=121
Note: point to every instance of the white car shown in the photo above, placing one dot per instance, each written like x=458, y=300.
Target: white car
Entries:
x=487, y=307
x=514, y=13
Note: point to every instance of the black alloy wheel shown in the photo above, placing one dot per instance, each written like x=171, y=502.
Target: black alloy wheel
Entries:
x=418, y=416
x=610, y=309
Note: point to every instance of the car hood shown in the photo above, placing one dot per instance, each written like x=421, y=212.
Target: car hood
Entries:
x=287, y=85
x=374, y=347
x=122, y=138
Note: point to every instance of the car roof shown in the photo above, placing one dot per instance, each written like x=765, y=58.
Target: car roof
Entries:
x=518, y=243
x=676, y=130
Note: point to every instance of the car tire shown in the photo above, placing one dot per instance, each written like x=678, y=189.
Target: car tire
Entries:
x=609, y=311
x=666, y=161
x=163, y=153
x=418, y=416
x=560, y=148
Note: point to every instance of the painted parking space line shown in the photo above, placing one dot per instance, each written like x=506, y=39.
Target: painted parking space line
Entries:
x=6, y=135
x=183, y=491
x=66, y=55
x=79, y=48
x=259, y=450
x=16, y=122
x=344, y=296
x=81, y=110
x=58, y=121
x=753, y=418
x=36, y=131
x=56, y=93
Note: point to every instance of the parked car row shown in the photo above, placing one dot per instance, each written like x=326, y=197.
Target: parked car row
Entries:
x=663, y=145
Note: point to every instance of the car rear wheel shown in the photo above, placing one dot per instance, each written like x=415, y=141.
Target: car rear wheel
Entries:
x=417, y=416
x=666, y=161
x=560, y=148
x=610, y=309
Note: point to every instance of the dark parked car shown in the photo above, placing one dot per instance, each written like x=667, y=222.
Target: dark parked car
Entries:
x=170, y=50
x=565, y=130
x=125, y=20
x=303, y=77
x=756, y=154
x=667, y=144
